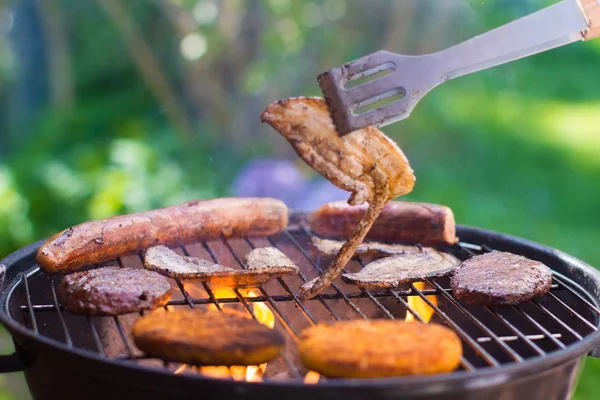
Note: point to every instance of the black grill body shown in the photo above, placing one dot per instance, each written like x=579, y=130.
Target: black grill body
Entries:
x=496, y=365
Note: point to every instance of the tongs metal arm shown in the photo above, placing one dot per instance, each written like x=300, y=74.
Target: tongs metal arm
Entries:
x=392, y=97
x=523, y=37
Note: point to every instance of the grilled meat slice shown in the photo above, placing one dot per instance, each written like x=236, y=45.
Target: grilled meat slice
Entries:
x=379, y=348
x=328, y=247
x=500, y=279
x=167, y=262
x=365, y=162
x=391, y=272
x=113, y=291
x=269, y=257
x=206, y=338
x=399, y=222
x=264, y=265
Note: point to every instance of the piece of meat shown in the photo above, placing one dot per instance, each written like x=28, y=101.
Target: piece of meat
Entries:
x=264, y=264
x=413, y=266
x=354, y=162
x=331, y=248
x=399, y=222
x=500, y=279
x=206, y=338
x=99, y=241
x=269, y=257
x=113, y=291
x=379, y=348
x=365, y=162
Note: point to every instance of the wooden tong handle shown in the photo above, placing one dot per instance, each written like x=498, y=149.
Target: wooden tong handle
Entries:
x=591, y=10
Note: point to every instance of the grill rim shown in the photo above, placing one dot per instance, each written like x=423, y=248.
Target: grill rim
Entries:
x=481, y=378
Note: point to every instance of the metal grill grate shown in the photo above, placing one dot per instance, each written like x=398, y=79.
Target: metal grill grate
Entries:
x=491, y=336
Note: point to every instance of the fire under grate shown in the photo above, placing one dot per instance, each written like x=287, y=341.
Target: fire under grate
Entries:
x=491, y=336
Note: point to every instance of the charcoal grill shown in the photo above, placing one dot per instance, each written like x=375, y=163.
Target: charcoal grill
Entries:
x=532, y=351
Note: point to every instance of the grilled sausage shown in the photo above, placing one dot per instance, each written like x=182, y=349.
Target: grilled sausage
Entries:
x=98, y=241
x=399, y=222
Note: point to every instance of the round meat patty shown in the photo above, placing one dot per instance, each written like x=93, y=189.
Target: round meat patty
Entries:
x=500, y=279
x=206, y=338
x=379, y=348
x=113, y=291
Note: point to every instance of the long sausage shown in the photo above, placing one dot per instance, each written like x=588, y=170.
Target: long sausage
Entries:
x=98, y=241
x=399, y=222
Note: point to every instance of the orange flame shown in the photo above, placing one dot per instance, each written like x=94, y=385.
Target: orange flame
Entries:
x=162, y=309
x=419, y=305
x=263, y=314
x=312, y=377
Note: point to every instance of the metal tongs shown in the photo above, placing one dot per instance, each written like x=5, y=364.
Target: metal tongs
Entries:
x=401, y=81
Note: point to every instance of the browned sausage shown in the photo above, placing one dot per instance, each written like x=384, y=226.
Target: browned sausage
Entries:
x=400, y=221
x=98, y=241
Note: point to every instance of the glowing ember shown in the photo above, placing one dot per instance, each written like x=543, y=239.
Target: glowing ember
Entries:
x=312, y=377
x=181, y=369
x=419, y=305
x=216, y=372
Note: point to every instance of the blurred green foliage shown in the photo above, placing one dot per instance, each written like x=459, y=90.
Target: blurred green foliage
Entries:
x=113, y=106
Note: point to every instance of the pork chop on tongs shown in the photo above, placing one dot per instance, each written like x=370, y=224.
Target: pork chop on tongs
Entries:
x=365, y=162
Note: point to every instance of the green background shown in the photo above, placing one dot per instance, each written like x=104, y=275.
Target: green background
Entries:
x=115, y=106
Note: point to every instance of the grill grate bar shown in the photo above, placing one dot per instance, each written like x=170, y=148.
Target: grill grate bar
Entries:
x=558, y=320
x=516, y=338
x=291, y=366
x=573, y=292
x=516, y=331
x=510, y=352
x=364, y=292
x=284, y=285
x=573, y=312
x=283, y=319
x=276, y=298
x=124, y=337
x=186, y=295
x=321, y=296
x=241, y=298
x=28, y=300
x=466, y=364
x=209, y=292
x=95, y=335
x=473, y=343
x=468, y=248
x=63, y=325
x=539, y=327
x=318, y=268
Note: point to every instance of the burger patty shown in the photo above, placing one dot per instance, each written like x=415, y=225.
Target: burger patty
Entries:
x=206, y=338
x=113, y=291
x=499, y=279
x=379, y=348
